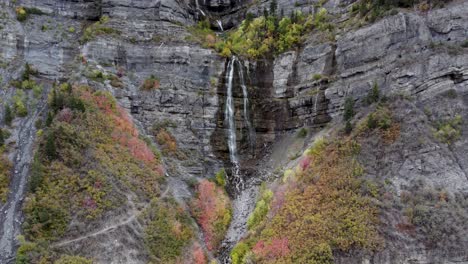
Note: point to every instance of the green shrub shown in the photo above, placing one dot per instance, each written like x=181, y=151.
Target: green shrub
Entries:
x=373, y=96
x=238, y=252
x=261, y=209
x=37, y=174
x=164, y=240
x=348, y=109
x=21, y=14
x=317, y=76
x=151, y=83
x=2, y=138
x=19, y=103
x=348, y=127
x=449, y=131
x=452, y=94
x=98, y=29
x=302, y=133
x=8, y=118
x=268, y=35
x=221, y=177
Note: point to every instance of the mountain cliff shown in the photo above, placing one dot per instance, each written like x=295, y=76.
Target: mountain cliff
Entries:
x=233, y=131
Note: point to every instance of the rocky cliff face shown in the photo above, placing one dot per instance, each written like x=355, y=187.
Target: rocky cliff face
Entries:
x=415, y=55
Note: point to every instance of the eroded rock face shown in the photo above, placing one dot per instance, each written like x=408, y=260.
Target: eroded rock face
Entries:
x=410, y=54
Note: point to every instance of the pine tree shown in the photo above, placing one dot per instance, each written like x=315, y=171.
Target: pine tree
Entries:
x=50, y=149
x=273, y=7
x=374, y=94
x=348, y=109
x=2, y=138
x=8, y=115
x=49, y=119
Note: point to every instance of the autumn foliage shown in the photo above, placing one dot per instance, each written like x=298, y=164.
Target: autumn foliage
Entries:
x=88, y=157
x=274, y=249
x=211, y=208
x=318, y=210
x=198, y=254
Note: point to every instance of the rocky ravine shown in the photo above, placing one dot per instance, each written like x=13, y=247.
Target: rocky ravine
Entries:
x=418, y=55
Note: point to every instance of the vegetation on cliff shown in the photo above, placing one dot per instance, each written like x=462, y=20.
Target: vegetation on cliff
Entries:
x=88, y=156
x=318, y=209
x=212, y=210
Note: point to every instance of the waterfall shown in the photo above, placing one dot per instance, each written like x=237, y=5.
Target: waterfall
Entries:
x=220, y=24
x=230, y=119
x=199, y=9
x=247, y=121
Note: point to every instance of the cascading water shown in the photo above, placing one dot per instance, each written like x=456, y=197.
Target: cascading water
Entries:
x=230, y=120
x=248, y=123
x=199, y=9
x=220, y=24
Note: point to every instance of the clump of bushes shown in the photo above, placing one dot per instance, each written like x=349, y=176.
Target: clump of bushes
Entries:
x=97, y=29
x=5, y=170
x=202, y=33
x=302, y=133
x=21, y=14
x=373, y=96
x=348, y=114
x=151, y=83
x=434, y=216
x=8, y=116
x=167, y=141
x=319, y=211
x=168, y=230
x=449, y=131
x=220, y=177
x=271, y=34
x=212, y=210
x=92, y=141
x=261, y=208
x=19, y=104
x=381, y=118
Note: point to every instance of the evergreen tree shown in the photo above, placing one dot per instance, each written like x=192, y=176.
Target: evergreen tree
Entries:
x=265, y=13
x=374, y=94
x=50, y=149
x=49, y=119
x=348, y=109
x=273, y=7
x=8, y=115
x=2, y=138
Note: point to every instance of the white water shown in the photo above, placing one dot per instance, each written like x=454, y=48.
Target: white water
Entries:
x=220, y=24
x=230, y=120
x=246, y=109
x=199, y=9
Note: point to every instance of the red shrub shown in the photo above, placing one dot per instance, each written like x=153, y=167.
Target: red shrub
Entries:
x=305, y=162
x=211, y=209
x=278, y=199
x=198, y=255
x=65, y=115
x=278, y=247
